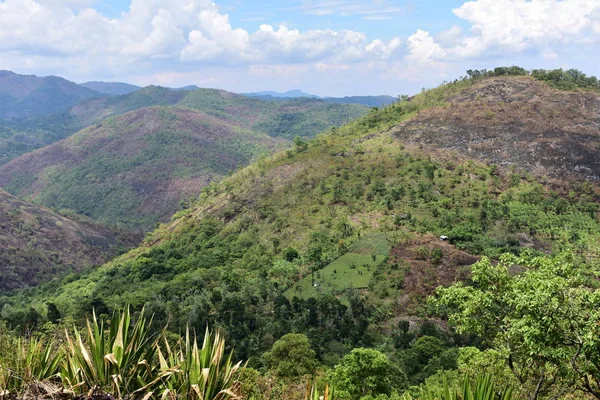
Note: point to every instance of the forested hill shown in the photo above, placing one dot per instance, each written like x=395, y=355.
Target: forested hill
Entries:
x=23, y=96
x=338, y=239
x=110, y=88
x=301, y=117
x=136, y=169
x=369, y=101
x=39, y=244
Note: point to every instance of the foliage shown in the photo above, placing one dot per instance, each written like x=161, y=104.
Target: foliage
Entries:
x=484, y=389
x=570, y=79
x=25, y=364
x=193, y=373
x=39, y=244
x=122, y=360
x=291, y=357
x=353, y=191
x=544, y=319
x=234, y=259
x=118, y=360
x=367, y=372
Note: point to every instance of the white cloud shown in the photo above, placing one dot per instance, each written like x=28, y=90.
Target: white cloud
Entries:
x=323, y=67
x=449, y=37
x=188, y=31
x=384, y=50
x=517, y=25
x=423, y=49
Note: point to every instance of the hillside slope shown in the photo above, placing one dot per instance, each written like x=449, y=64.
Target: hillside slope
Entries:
x=337, y=239
x=111, y=88
x=38, y=244
x=135, y=169
x=27, y=95
x=290, y=118
x=516, y=121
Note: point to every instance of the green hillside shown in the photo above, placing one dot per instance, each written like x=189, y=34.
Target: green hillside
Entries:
x=134, y=170
x=290, y=118
x=239, y=258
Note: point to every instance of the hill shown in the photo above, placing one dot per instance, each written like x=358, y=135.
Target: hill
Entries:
x=295, y=117
x=516, y=121
x=24, y=96
x=134, y=170
x=38, y=244
x=369, y=101
x=279, y=95
x=110, y=88
x=187, y=88
x=339, y=239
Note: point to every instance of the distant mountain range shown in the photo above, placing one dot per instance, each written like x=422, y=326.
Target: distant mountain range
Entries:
x=120, y=88
x=23, y=96
x=370, y=101
x=30, y=120
x=111, y=88
x=286, y=95
x=144, y=152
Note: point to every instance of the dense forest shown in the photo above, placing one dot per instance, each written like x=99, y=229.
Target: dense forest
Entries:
x=353, y=265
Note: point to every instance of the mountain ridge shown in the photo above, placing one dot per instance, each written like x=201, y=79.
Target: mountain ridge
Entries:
x=111, y=88
x=20, y=136
x=29, y=95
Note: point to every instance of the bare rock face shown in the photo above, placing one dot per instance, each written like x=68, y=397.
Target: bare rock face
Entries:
x=516, y=121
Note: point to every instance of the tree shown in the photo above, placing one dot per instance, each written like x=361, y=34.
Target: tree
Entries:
x=291, y=357
x=545, y=319
x=53, y=313
x=366, y=372
x=301, y=145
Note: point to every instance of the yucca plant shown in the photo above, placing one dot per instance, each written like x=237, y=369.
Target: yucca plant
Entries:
x=485, y=389
x=33, y=363
x=117, y=361
x=192, y=373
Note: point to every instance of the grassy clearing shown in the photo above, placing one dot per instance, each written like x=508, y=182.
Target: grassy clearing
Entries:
x=375, y=243
x=353, y=270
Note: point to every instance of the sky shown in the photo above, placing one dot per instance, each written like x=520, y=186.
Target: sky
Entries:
x=323, y=47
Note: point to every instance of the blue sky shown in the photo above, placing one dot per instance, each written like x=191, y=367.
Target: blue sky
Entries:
x=326, y=47
x=412, y=15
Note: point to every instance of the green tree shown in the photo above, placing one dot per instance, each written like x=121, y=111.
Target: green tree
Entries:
x=291, y=357
x=301, y=144
x=366, y=372
x=544, y=319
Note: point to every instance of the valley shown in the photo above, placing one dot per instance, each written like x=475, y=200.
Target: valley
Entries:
x=315, y=237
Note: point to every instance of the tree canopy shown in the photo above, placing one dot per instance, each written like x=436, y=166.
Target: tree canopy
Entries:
x=542, y=312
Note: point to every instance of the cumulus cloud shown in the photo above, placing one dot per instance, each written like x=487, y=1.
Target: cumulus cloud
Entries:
x=511, y=27
x=423, y=49
x=188, y=31
x=158, y=37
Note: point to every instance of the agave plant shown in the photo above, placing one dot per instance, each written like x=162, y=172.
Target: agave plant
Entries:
x=485, y=389
x=33, y=363
x=117, y=361
x=313, y=393
x=192, y=373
